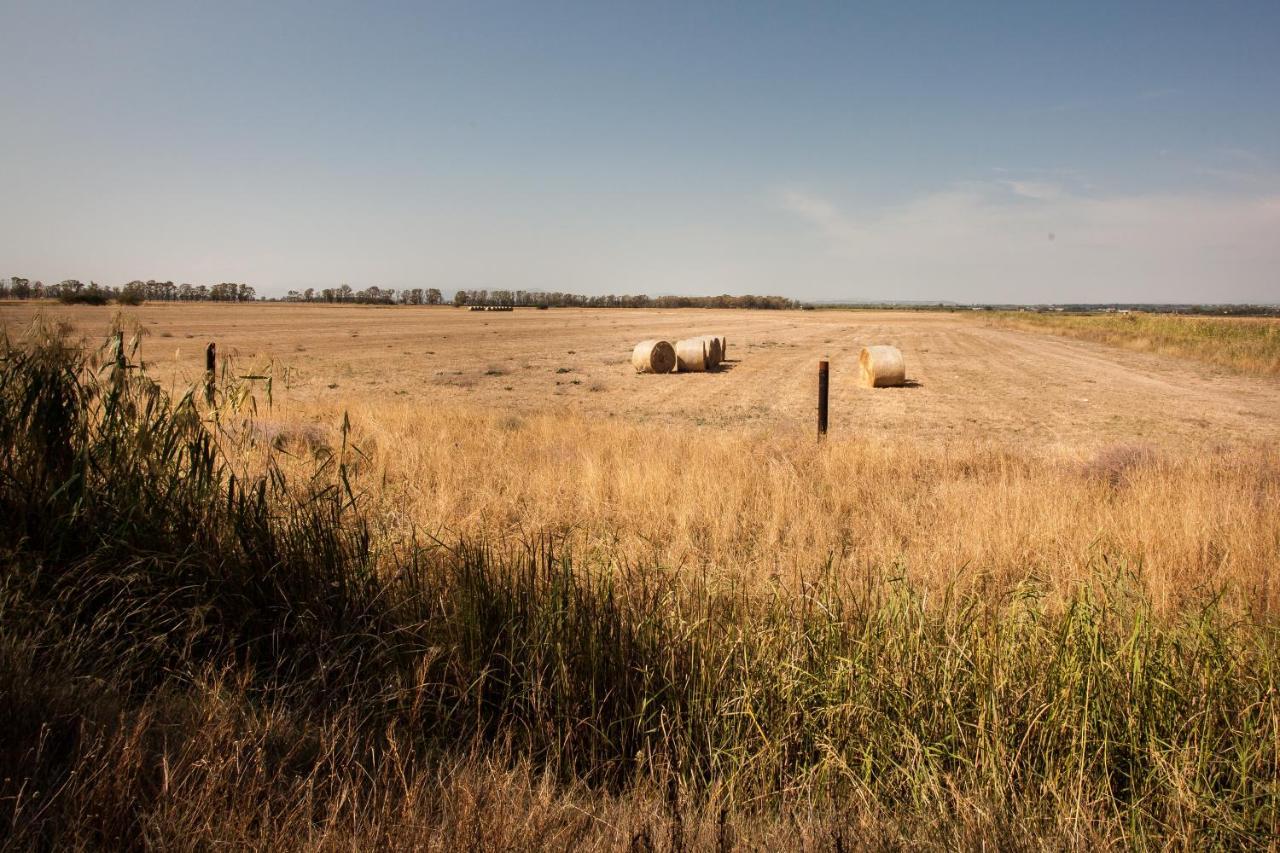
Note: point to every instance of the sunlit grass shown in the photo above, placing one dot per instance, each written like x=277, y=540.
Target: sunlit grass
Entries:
x=1246, y=345
x=206, y=641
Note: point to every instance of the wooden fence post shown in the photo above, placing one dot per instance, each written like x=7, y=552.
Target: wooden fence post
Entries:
x=210, y=370
x=823, y=373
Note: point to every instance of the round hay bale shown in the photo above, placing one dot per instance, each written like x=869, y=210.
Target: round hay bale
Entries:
x=881, y=367
x=691, y=355
x=714, y=351
x=654, y=357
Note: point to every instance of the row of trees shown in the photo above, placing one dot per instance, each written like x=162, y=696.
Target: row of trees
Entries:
x=133, y=293
x=369, y=296
x=540, y=299
x=139, y=291
x=529, y=299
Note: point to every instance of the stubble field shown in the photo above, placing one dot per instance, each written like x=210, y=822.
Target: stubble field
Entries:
x=1123, y=503
x=1011, y=456
x=973, y=382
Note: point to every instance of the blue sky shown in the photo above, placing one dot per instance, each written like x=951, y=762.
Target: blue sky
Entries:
x=1021, y=152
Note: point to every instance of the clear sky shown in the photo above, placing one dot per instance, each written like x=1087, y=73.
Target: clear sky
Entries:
x=1025, y=152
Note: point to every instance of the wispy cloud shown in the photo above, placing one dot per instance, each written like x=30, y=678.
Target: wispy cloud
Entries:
x=1236, y=168
x=822, y=214
x=1034, y=189
x=986, y=241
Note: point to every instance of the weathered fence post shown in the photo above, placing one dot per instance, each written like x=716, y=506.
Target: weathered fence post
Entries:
x=822, y=397
x=120, y=362
x=210, y=370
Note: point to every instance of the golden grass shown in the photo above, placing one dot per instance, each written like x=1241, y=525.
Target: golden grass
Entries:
x=768, y=505
x=777, y=519
x=1246, y=345
x=972, y=382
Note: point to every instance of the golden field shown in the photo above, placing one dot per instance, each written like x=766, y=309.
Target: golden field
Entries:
x=1015, y=457
x=1249, y=345
x=976, y=384
x=474, y=581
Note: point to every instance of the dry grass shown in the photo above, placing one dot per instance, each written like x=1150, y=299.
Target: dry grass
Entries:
x=761, y=506
x=244, y=776
x=859, y=643
x=1245, y=345
x=971, y=382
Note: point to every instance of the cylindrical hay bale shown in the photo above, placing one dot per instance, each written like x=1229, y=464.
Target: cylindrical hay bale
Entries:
x=881, y=367
x=714, y=355
x=654, y=357
x=691, y=355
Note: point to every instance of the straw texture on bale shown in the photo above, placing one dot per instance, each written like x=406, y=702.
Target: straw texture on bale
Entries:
x=654, y=357
x=691, y=355
x=881, y=367
x=715, y=352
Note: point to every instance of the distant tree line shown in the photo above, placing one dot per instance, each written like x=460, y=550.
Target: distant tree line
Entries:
x=528, y=299
x=72, y=291
x=369, y=296
x=1205, y=309
x=137, y=292
x=541, y=299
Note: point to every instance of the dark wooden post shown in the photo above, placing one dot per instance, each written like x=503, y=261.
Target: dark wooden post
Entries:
x=210, y=370
x=120, y=362
x=822, y=397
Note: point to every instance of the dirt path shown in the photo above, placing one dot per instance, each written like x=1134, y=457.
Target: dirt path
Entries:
x=974, y=382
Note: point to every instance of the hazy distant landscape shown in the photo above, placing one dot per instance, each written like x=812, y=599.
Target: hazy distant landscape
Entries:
x=639, y=427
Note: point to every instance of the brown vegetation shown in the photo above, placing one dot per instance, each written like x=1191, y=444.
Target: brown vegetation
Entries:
x=972, y=384
x=1248, y=345
x=519, y=626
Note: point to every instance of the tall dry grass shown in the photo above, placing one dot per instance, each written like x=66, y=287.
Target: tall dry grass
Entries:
x=228, y=626
x=765, y=506
x=1244, y=344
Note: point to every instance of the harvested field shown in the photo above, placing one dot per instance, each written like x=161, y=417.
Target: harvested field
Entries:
x=1012, y=388
x=1008, y=456
x=649, y=612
